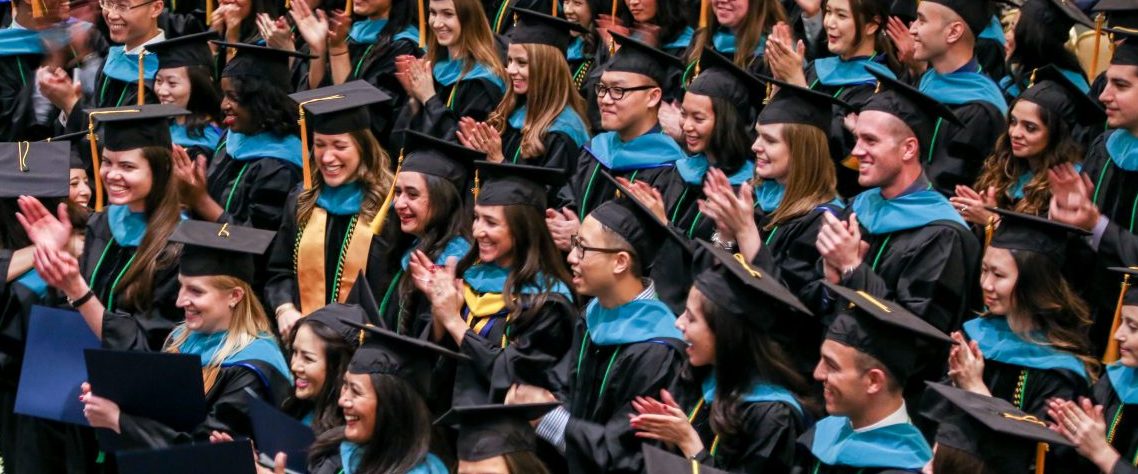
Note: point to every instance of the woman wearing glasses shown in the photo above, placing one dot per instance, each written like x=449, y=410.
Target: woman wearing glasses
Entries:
x=512, y=312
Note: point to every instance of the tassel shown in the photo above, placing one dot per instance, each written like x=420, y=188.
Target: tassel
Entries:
x=1110, y=356
x=613, y=11
x=38, y=8
x=306, y=168
x=348, y=8
x=422, y=26
x=288, y=5
x=92, y=139
x=208, y=10
x=989, y=231
x=1099, y=20
x=475, y=190
x=1030, y=81
x=553, y=8
x=141, y=78
x=704, y=13
x=769, y=94
x=376, y=225
x=1040, y=457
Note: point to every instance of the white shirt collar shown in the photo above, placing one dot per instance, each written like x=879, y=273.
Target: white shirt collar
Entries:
x=901, y=416
x=158, y=38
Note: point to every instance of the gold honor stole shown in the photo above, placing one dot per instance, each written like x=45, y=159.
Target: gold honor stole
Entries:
x=481, y=309
x=310, y=264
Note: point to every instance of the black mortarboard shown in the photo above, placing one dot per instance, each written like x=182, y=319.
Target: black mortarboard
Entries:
x=188, y=50
x=388, y=353
x=975, y=13
x=1126, y=53
x=234, y=457
x=658, y=461
x=919, y=111
x=637, y=57
x=128, y=379
x=538, y=28
x=34, y=169
x=1057, y=16
x=1127, y=296
x=882, y=329
x=793, y=104
x=636, y=224
x=76, y=160
x=505, y=184
x=906, y=10
x=742, y=290
x=341, y=108
x=276, y=432
x=362, y=295
x=220, y=249
x=270, y=64
x=1131, y=296
x=333, y=315
x=429, y=155
x=1120, y=14
x=1026, y=232
x=136, y=126
x=990, y=428
x=719, y=77
x=1054, y=91
x=486, y=431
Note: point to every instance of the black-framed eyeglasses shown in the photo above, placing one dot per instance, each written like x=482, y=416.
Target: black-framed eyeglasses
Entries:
x=576, y=246
x=618, y=93
x=121, y=8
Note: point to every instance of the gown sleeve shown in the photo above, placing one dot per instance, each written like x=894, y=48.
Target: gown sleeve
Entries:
x=280, y=288
x=767, y=443
x=1123, y=467
x=269, y=187
x=146, y=330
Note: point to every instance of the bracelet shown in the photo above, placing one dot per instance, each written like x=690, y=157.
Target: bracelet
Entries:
x=341, y=53
x=728, y=245
x=80, y=301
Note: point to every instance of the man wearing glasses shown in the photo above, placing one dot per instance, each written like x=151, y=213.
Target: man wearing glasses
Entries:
x=635, y=82
x=131, y=24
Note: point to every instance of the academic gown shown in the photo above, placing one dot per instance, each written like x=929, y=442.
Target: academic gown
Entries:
x=333, y=463
x=255, y=368
x=1116, y=392
x=251, y=178
x=613, y=363
x=583, y=66
x=674, y=269
x=771, y=419
x=832, y=447
x=723, y=41
x=505, y=352
x=1113, y=169
x=282, y=284
x=21, y=55
x=1027, y=375
x=645, y=158
x=956, y=154
x=474, y=94
x=373, y=60
x=849, y=81
x=563, y=140
x=402, y=307
x=202, y=141
x=104, y=261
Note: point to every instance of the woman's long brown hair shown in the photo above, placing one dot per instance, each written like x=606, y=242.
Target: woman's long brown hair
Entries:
x=547, y=69
x=811, y=180
x=374, y=175
x=475, y=41
x=761, y=16
x=163, y=213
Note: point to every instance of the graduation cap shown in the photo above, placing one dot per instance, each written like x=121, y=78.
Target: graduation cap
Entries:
x=509, y=184
x=906, y=10
x=882, y=329
x=636, y=224
x=640, y=58
x=220, y=249
x=335, y=109
x=975, y=13
x=1056, y=16
x=362, y=295
x=1026, y=232
x=1126, y=297
x=386, y=352
x=270, y=64
x=188, y=50
x=538, y=28
x=486, y=431
x=919, y=111
x=34, y=169
x=76, y=160
x=742, y=290
x=658, y=461
x=1119, y=14
x=721, y=78
x=1126, y=53
x=127, y=128
x=990, y=428
x=794, y=104
x=234, y=457
x=333, y=315
x=440, y=158
x=1052, y=90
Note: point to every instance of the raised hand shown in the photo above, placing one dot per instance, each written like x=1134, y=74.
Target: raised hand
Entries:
x=785, y=56
x=313, y=26
x=46, y=230
x=563, y=225
x=275, y=32
x=647, y=195
x=1071, y=198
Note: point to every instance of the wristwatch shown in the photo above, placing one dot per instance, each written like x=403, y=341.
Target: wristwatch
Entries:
x=80, y=301
x=728, y=245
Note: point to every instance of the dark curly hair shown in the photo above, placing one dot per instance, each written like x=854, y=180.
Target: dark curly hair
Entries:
x=268, y=101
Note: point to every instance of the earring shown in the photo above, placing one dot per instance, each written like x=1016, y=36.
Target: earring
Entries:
x=232, y=305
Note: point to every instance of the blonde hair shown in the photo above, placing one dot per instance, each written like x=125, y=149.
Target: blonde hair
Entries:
x=761, y=16
x=548, y=68
x=374, y=174
x=811, y=180
x=249, y=323
x=475, y=41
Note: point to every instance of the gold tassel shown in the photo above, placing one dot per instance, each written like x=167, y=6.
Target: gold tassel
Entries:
x=877, y=88
x=989, y=231
x=769, y=94
x=38, y=8
x=288, y=5
x=422, y=26
x=348, y=8
x=376, y=225
x=1110, y=356
x=302, y=121
x=92, y=139
x=475, y=190
x=1040, y=456
x=1099, y=20
x=208, y=10
x=141, y=78
x=1031, y=80
x=553, y=9
x=613, y=11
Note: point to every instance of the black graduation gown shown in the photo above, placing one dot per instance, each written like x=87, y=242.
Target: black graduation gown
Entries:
x=959, y=152
x=587, y=189
x=475, y=98
x=375, y=63
x=532, y=351
x=281, y=287
x=598, y=433
x=331, y=464
x=127, y=327
x=17, y=85
x=1123, y=418
x=560, y=151
x=990, y=54
x=771, y=430
x=842, y=140
x=1115, y=192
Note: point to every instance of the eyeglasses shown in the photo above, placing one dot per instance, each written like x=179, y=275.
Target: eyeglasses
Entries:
x=121, y=8
x=576, y=246
x=617, y=93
